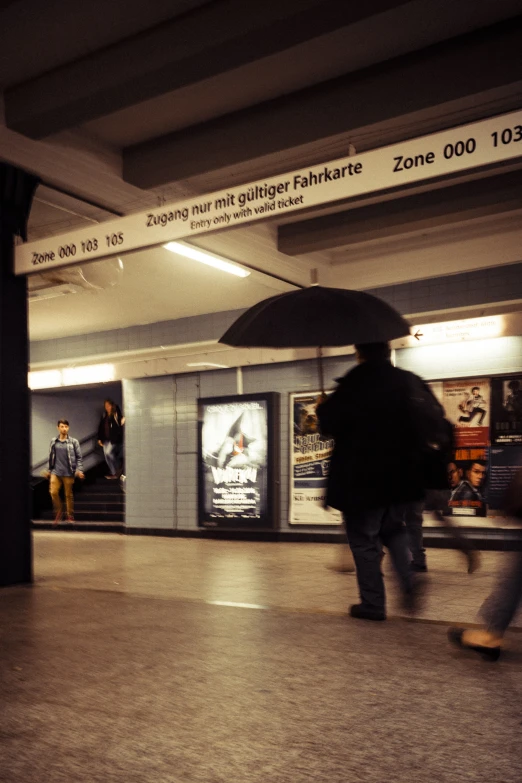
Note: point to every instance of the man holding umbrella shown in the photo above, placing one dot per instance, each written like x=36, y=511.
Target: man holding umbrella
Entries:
x=379, y=416
x=383, y=420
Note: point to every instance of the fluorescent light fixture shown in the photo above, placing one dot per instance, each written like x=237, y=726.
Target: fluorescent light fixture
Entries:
x=206, y=258
x=71, y=376
x=45, y=379
x=94, y=373
x=207, y=364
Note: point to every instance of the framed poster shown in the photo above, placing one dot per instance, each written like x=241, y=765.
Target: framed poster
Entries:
x=468, y=475
x=237, y=461
x=467, y=405
x=506, y=399
x=309, y=464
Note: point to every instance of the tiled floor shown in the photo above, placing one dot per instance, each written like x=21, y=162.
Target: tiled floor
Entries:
x=156, y=660
x=291, y=576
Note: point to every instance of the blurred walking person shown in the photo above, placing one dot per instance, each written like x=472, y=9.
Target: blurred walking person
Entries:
x=382, y=416
x=65, y=462
x=501, y=606
x=110, y=437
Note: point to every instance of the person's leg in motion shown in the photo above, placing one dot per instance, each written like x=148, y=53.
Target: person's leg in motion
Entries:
x=363, y=528
x=55, y=484
x=117, y=451
x=498, y=611
x=394, y=536
x=413, y=522
x=108, y=452
x=68, y=482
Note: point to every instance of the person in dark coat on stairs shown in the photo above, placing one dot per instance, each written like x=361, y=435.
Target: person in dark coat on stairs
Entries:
x=110, y=436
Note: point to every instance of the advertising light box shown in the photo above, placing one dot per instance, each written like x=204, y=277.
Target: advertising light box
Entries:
x=237, y=461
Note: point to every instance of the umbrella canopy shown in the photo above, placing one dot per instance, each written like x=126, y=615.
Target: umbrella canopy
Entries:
x=316, y=316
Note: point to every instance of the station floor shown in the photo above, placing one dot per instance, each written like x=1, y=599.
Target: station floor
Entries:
x=144, y=659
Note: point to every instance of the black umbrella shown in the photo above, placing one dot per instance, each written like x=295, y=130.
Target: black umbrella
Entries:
x=316, y=316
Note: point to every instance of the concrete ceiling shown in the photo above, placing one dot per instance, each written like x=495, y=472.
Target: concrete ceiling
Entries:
x=123, y=106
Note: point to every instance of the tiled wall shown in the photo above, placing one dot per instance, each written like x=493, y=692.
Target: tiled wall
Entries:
x=150, y=411
x=482, y=286
x=498, y=284
x=182, y=330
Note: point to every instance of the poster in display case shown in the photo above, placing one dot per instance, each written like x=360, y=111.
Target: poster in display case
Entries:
x=309, y=464
x=468, y=475
x=467, y=405
x=237, y=461
x=506, y=399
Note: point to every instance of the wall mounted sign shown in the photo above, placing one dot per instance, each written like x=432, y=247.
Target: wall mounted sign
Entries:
x=237, y=458
x=457, y=331
x=442, y=154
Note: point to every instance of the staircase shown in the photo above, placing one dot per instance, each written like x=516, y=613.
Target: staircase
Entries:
x=101, y=501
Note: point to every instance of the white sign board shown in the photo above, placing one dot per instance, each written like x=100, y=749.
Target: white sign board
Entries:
x=457, y=331
x=441, y=154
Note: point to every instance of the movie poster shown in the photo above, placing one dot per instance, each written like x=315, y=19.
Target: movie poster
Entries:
x=468, y=476
x=506, y=398
x=309, y=464
x=467, y=406
x=236, y=461
x=504, y=462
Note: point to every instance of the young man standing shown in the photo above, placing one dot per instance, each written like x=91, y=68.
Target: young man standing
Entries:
x=65, y=462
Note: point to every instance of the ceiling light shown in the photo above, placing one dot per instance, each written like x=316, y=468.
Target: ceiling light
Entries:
x=44, y=379
x=94, y=373
x=205, y=258
x=208, y=364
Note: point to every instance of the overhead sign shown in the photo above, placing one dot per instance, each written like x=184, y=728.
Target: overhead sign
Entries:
x=438, y=155
x=457, y=331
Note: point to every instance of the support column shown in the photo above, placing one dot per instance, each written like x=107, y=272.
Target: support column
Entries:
x=16, y=193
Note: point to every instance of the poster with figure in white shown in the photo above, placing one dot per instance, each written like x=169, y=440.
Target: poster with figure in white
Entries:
x=233, y=472
x=309, y=464
x=467, y=406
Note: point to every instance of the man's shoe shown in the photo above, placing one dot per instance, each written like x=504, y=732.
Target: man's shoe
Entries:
x=57, y=519
x=362, y=612
x=70, y=518
x=418, y=568
x=466, y=640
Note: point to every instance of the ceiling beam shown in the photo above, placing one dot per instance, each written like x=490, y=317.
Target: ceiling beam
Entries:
x=469, y=65
x=207, y=41
x=494, y=195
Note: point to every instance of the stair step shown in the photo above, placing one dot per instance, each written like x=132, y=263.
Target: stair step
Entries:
x=78, y=500
x=97, y=489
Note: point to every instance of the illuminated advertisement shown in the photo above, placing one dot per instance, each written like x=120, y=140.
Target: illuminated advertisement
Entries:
x=467, y=405
x=309, y=464
x=237, y=461
x=468, y=476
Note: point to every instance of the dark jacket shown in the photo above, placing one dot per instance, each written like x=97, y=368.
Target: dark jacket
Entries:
x=115, y=427
x=376, y=459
